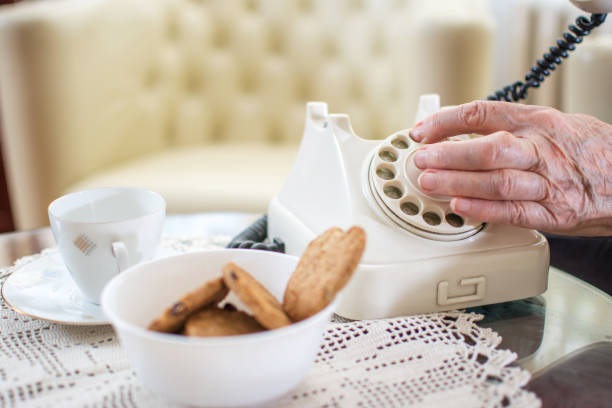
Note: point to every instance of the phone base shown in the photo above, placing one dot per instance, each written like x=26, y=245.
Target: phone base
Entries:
x=432, y=284
x=401, y=272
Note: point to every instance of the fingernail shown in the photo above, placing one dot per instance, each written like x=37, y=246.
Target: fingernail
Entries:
x=460, y=205
x=420, y=158
x=428, y=180
x=415, y=133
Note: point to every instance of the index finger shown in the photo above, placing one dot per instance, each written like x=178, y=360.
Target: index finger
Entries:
x=481, y=117
x=499, y=150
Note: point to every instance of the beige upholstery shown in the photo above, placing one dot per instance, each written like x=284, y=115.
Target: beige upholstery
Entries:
x=201, y=178
x=204, y=101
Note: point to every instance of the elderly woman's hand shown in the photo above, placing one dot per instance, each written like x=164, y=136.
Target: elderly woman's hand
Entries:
x=536, y=167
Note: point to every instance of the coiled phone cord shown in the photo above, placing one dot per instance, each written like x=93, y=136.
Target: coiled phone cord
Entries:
x=549, y=61
x=254, y=236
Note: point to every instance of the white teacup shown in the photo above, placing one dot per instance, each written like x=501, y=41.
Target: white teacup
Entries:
x=101, y=232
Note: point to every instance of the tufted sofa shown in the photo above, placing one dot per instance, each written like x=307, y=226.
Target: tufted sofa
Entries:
x=204, y=100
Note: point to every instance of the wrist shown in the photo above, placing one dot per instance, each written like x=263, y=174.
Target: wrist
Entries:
x=600, y=227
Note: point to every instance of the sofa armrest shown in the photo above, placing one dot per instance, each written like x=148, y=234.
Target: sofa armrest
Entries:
x=73, y=94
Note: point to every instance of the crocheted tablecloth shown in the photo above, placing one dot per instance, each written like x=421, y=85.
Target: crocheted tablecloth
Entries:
x=440, y=359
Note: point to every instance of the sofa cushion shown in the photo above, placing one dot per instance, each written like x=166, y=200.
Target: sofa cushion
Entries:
x=227, y=177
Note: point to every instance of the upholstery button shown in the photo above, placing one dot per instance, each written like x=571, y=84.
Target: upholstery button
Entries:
x=193, y=81
x=151, y=77
x=399, y=4
x=251, y=5
x=275, y=42
x=356, y=5
x=378, y=45
x=172, y=27
x=218, y=130
x=305, y=6
x=275, y=135
x=356, y=89
x=247, y=83
x=330, y=48
x=220, y=37
x=395, y=93
x=303, y=90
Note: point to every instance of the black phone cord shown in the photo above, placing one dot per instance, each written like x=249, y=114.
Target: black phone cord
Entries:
x=253, y=237
x=549, y=61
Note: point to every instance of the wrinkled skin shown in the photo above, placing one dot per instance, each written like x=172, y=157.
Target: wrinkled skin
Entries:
x=535, y=167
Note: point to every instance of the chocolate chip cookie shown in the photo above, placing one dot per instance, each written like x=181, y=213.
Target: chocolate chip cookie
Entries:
x=265, y=308
x=325, y=267
x=220, y=322
x=173, y=318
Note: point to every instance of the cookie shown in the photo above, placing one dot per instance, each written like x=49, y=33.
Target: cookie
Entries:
x=325, y=267
x=173, y=318
x=265, y=308
x=220, y=322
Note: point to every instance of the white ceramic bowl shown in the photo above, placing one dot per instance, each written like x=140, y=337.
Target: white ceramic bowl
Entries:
x=212, y=371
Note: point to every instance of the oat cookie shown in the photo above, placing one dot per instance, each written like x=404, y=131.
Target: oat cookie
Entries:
x=265, y=308
x=220, y=322
x=325, y=267
x=173, y=318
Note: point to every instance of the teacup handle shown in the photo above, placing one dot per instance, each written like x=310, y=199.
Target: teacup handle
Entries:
x=121, y=254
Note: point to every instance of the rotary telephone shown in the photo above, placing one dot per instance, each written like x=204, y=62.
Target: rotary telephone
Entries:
x=420, y=256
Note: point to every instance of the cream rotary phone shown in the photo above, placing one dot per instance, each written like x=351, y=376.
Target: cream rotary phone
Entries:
x=420, y=256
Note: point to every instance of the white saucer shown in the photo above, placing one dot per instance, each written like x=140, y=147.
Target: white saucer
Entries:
x=43, y=288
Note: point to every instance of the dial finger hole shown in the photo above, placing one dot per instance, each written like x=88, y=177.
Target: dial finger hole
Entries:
x=409, y=207
x=385, y=172
x=431, y=218
x=400, y=142
x=387, y=155
x=454, y=220
x=393, y=191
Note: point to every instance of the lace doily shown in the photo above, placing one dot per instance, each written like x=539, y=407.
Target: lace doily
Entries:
x=441, y=359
